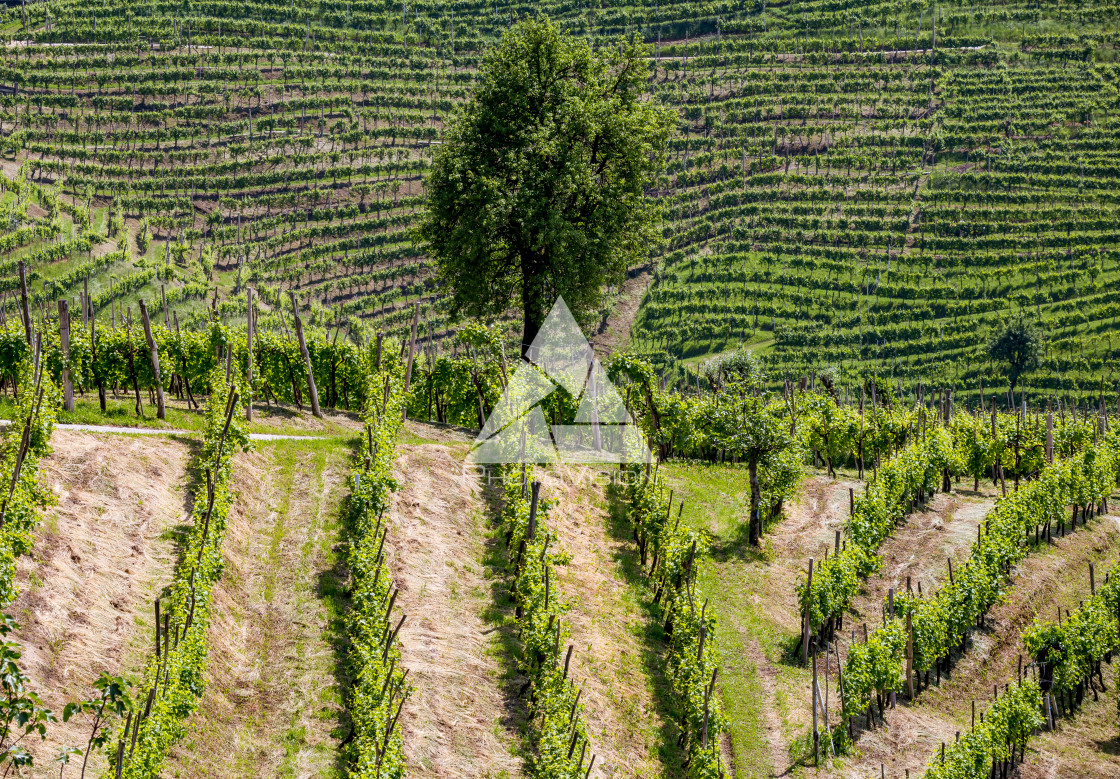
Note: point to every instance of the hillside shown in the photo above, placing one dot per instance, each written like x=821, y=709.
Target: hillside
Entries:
x=101, y=558
x=865, y=187
x=858, y=194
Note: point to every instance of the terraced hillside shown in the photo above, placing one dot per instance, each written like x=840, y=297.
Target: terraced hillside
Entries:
x=882, y=201
x=861, y=184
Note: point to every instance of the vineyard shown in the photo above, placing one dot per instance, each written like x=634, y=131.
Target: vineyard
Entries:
x=773, y=573
x=869, y=189
x=244, y=530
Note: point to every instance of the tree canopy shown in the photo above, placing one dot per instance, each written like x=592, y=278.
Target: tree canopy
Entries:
x=1019, y=345
x=538, y=189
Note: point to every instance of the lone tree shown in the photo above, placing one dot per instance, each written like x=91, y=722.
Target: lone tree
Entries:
x=1019, y=345
x=538, y=189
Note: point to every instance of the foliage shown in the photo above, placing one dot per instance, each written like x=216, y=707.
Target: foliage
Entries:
x=537, y=190
x=1019, y=344
x=21, y=711
x=380, y=688
x=1010, y=720
x=119, y=357
x=902, y=481
x=557, y=732
x=174, y=678
x=111, y=703
x=741, y=365
x=692, y=660
x=941, y=621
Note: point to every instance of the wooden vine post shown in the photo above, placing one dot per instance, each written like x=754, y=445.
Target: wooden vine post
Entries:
x=411, y=352
x=24, y=310
x=910, y=654
x=1049, y=436
x=805, y=622
x=249, y=347
x=93, y=358
x=161, y=411
x=64, y=345
x=816, y=732
x=311, y=390
x=890, y=600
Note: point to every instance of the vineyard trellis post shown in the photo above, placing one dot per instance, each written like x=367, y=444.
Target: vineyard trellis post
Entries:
x=24, y=310
x=311, y=389
x=64, y=346
x=1049, y=436
x=249, y=347
x=910, y=654
x=161, y=410
x=411, y=351
x=805, y=622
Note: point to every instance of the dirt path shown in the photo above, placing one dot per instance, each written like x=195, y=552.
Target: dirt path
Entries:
x=768, y=677
x=611, y=657
x=614, y=335
x=97, y=561
x=272, y=704
x=920, y=548
x=457, y=722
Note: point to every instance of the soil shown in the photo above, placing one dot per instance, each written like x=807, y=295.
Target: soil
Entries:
x=615, y=335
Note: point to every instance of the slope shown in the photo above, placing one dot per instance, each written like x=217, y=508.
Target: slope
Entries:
x=272, y=705
x=461, y=721
x=98, y=561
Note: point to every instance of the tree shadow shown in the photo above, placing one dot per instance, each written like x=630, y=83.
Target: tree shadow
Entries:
x=179, y=534
x=738, y=547
x=332, y=587
x=500, y=615
x=653, y=637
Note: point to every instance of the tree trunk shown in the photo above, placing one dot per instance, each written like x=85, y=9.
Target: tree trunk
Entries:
x=534, y=307
x=93, y=358
x=756, y=503
x=411, y=355
x=311, y=389
x=249, y=346
x=64, y=345
x=161, y=411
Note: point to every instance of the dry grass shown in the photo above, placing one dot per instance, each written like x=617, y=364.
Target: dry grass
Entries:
x=761, y=618
x=608, y=624
x=457, y=724
x=87, y=588
x=921, y=546
x=272, y=703
x=287, y=418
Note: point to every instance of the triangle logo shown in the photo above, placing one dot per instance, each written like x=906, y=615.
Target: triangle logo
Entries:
x=518, y=431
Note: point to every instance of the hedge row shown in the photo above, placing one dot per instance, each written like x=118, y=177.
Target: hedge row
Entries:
x=908, y=477
x=557, y=734
x=380, y=687
x=174, y=676
x=670, y=552
x=941, y=621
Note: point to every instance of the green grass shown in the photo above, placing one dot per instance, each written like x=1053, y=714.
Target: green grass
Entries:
x=738, y=580
x=120, y=412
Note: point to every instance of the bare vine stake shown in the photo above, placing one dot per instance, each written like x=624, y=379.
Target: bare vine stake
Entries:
x=64, y=346
x=161, y=411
